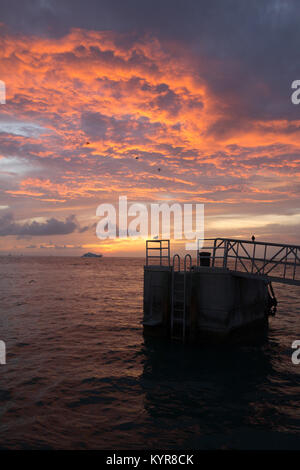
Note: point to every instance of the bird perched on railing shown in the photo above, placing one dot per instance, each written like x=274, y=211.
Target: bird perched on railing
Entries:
x=253, y=238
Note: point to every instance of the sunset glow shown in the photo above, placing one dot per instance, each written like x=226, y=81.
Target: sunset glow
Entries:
x=93, y=114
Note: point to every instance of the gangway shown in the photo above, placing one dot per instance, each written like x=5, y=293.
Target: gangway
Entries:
x=228, y=288
x=273, y=262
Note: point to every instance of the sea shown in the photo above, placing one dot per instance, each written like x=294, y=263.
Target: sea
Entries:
x=79, y=373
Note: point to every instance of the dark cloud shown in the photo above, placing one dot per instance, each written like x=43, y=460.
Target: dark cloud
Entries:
x=167, y=101
x=52, y=226
x=246, y=48
x=129, y=128
x=83, y=229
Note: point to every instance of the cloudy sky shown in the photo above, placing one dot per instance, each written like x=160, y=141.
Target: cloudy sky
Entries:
x=101, y=94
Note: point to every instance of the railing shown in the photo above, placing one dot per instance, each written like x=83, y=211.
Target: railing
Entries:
x=156, y=253
x=176, y=257
x=275, y=262
x=272, y=261
x=189, y=258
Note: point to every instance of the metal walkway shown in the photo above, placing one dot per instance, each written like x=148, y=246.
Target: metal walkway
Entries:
x=270, y=261
x=273, y=262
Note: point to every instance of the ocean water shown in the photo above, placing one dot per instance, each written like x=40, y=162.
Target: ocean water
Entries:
x=80, y=375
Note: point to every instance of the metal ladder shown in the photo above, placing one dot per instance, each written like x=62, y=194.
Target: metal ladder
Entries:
x=179, y=300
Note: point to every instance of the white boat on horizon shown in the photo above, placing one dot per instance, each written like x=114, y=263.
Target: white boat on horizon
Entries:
x=91, y=255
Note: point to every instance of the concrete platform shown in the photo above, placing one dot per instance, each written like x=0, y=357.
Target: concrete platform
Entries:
x=218, y=302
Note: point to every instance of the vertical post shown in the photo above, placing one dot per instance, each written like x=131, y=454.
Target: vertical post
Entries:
x=236, y=256
x=172, y=295
x=265, y=254
x=253, y=257
x=225, y=253
x=160, y=252
x=214, y=253
x=286, y=258
x=294, y=270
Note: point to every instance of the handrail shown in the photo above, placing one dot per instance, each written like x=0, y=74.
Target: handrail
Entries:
x=249, y=241
x=161, y=257
x=246, y=258
x=249, y=258
x=187, y=256
x=176, y=256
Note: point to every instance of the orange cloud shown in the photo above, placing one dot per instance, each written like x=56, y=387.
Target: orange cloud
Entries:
x=92, y=115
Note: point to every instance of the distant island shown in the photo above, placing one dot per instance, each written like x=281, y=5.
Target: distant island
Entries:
x=91, y=255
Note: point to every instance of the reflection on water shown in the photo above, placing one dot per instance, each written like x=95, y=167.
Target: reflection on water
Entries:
x=79, y=373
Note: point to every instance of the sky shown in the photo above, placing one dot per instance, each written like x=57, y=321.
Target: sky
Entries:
x=161, y=101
